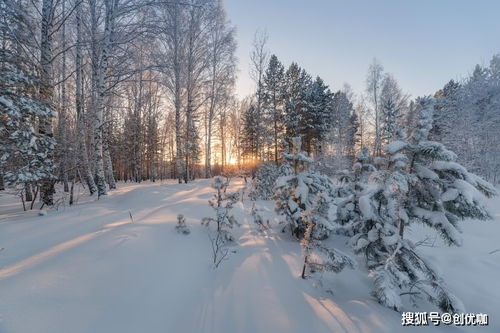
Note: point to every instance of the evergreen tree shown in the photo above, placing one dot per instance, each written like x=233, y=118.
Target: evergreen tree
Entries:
x=296, y=192
x=349, y=193
x=250, y=133
x=181, y=226
x=317, y=256
x=317, y=115
x=445, y=108
x=25, y=152
x=344, y=127
x=392, y=106
x=273, y=92
x=296, y=84
x=467, y=121
x=421, y=184
x=222, y=203
x=263, y=182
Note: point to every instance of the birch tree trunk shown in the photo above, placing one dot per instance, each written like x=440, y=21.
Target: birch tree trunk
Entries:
x=63, y=117
x=83, y=163
x=109, y=168
x=47, y=92
x=2, y=184
x=177, y=92
x=110, y=6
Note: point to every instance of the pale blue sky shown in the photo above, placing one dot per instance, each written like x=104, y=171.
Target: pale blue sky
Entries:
x=424, y=43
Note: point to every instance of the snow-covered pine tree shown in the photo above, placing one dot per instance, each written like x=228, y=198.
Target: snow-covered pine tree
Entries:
x=297, y=82
x=25, y=152
x=421, y=184
x=258, y=219
x=441, y=191
x=273, y=92
x=263, y=182
x=250, y=133
x=265, y=177
x=222, y=202
x=296, y=192
x=342, y=132
x=349, y=191
x=392, y=105
x=317, y=115
x=318, y=256
x=181, y=226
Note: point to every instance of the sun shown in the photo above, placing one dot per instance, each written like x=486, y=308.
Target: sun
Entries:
x=232, y=161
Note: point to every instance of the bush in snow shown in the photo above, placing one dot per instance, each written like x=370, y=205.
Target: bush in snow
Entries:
x=222, y=203
x=265, y=177
x=295, y=193
x=421, y=184
x=348, y=193
x=317, y=256
x=258, y=219
x=263, y=182
x=181, y=226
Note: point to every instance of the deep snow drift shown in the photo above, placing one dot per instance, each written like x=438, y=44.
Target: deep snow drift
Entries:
x=90, y=268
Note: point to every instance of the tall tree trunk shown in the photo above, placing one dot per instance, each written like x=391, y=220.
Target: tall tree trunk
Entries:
x=63, y=118
x=222, y=140
x=110, y=178
x=211, y=112
x=275, y=130
x=189, y=107
x=28, y=192
x=101, y=94
x=177, y=94
x=84, y=159
x=2, y=184
x=47, y=92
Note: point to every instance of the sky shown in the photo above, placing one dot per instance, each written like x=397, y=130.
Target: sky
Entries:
x=423, y=43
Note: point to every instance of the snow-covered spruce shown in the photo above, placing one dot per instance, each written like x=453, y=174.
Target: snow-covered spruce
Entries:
x=222, y=203
x=258, y=219
x=348, y=193
x=24, y=152
x=263, y=182
x=181, y=226
x=295, y=193
x=265, y=178
x=318, y=256
x=423, y=184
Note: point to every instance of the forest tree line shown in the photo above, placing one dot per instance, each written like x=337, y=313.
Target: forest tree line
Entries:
x=96, y=91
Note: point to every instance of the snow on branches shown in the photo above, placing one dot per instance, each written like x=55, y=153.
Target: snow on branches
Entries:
x=418, y=181
x=222, y=202
x=25, y=151
x=318, y=256
x=181, y=226
x=263, y=182
x=295, y=193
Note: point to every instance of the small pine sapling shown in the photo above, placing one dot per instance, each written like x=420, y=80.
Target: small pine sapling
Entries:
x=263, y=181
x=181, y=226
x=258, y=219
x=295, y=193
x=317, y=256
x=351, y=186
x=222, y=202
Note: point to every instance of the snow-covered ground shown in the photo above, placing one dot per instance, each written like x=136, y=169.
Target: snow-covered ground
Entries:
x=90, y=268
